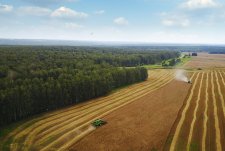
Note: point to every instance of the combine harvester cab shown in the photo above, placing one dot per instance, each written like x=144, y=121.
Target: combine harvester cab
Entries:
x=98, y=123
x=189, y=81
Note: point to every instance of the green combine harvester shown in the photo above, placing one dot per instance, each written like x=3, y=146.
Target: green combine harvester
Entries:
x=98, y=123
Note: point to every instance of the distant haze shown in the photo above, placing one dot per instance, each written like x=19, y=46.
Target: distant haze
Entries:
x=49, y=42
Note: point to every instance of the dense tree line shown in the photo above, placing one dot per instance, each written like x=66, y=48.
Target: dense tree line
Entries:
x=38, y=79
x=171, y=62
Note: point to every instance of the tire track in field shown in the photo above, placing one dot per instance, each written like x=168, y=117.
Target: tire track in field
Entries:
x=128, y=101
x=74, y=139
x=183, y=115
x=218, y=138
x=195, y=115
x=22, y=132
x=205, y=120
x=220, y=94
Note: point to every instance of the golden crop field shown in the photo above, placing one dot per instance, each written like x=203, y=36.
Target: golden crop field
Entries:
x=61, y=129
x=201, y=122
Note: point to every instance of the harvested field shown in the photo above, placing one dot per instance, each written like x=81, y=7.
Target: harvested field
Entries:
x=205, y=60
x=141, y=125
x=61, y=129
x=173, y=118
x=201, y=122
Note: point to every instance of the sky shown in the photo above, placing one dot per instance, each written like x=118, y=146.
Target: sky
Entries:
x=150, y=21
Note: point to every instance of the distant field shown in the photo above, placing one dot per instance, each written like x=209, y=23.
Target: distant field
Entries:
x=61, y=129
x=205, y=60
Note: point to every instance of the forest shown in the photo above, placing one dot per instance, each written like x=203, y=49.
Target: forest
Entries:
x=37, y=79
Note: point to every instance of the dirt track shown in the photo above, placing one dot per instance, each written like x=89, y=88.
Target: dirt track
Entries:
x=142, y=125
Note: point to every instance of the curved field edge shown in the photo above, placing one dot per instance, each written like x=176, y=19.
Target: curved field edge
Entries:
x=7, y=132
x=25, y=123
x=24, y=126
x=30, y=134
x=74, y=130
x=74, y=140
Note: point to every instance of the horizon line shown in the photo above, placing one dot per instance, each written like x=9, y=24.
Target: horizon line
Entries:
x=107, y=42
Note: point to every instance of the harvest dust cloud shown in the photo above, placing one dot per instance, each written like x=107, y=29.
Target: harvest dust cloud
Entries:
x=181, y=75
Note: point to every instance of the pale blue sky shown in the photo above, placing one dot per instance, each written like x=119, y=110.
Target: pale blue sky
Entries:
x=170, y=21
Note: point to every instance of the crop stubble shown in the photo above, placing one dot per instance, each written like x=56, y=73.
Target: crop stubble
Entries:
x=201, y=123
x=63, y=128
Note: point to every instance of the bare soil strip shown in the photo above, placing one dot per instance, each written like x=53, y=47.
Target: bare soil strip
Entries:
x=218, y=138
x=222, y=78
x=220, y=89
x=220, y=94
x=183, y=115
x=210, y=136
x=195, y=114
x=205, y=115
